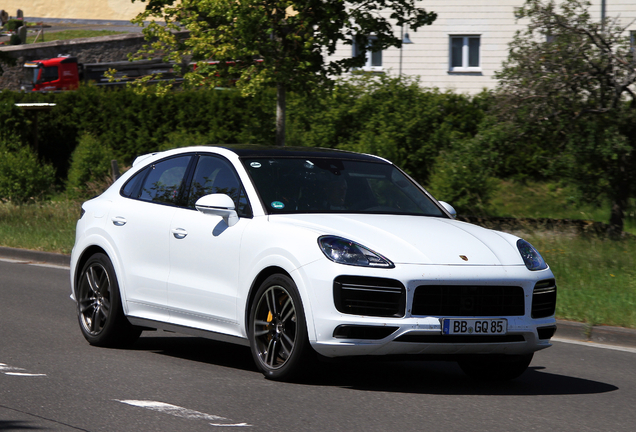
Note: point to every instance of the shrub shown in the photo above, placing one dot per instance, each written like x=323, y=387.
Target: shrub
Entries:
x=462, y=177
x=391, y=117
x=132, y=124
x=14, y=24
x=15, y=39
x=13, y=124
x=90, y=167
x=22, y=176
x=183, y=139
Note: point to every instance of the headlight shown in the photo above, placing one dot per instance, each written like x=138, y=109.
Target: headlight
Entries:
x=531, y=257
x=343, y=251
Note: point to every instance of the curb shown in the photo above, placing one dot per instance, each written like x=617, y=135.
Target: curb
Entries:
x=35, y=256
x=607, y=335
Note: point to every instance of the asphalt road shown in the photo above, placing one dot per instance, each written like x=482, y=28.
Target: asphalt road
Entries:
x=52, y=380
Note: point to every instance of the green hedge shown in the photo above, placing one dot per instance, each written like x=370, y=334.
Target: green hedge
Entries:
x=390, y=117
x=23, y=177
x=393, y=118
x=132, y=124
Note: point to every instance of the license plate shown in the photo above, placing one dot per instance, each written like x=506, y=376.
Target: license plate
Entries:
x=453, y=326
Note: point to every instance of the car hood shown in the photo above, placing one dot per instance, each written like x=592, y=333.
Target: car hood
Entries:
x=415, y=239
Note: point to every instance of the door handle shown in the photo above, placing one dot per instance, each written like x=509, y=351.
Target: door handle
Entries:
x=179, y=233
x=119, y=221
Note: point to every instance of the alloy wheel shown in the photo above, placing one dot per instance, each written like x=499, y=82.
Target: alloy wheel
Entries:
x=275, y=327
x=94, y=298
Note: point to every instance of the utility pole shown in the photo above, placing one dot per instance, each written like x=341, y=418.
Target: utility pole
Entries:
x=602, y=15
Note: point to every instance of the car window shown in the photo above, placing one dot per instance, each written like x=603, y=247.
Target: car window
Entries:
x=164, y=180
x=321, y=185
x=216, y=175
x=133, y=186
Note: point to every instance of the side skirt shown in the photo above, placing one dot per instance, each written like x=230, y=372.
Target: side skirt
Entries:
x=150, y=324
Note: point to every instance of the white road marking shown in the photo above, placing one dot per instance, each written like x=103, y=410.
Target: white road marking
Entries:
x=14, y=261
x=596, y=345
x=5, y=367
x=35, y=263
x=178, y=411
x=11, y=370
x=53, y=266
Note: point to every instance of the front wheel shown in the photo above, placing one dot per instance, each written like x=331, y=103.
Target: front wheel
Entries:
x=99, y=310
x=495, y=367
x=278, y=330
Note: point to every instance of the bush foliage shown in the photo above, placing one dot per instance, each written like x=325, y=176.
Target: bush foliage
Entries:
x=90, y=163
x=391, y=117
x=23, y=177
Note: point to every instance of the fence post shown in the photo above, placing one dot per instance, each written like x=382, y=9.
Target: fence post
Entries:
x=114, y=169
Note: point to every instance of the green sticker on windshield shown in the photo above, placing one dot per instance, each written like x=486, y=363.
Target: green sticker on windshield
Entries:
x=277, y=205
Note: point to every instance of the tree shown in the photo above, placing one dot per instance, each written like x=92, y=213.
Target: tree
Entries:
x=569, y=85
x=278, y=43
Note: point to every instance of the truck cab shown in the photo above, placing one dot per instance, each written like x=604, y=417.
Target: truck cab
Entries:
x=59, y=73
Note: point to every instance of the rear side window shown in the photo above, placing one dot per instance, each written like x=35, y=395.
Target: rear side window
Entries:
x=161, y=182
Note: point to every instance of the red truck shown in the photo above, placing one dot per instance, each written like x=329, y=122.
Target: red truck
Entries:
x=66, y=73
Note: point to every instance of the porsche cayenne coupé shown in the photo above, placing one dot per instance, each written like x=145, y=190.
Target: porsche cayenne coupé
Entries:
x=305, y=253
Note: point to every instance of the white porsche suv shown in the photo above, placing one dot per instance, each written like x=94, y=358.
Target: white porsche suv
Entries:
x=298, y=252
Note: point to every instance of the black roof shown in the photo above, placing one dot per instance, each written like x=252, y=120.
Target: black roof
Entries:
x=259, y=151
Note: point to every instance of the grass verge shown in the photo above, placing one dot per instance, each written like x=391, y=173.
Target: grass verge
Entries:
x=596, y=278
x=69, y=34
x=48, y=226
x=549, y=200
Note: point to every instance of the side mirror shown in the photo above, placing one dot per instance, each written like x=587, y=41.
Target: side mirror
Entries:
x=219, y=205
x=449, y=208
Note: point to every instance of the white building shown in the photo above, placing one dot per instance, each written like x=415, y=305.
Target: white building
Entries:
x=468, y=42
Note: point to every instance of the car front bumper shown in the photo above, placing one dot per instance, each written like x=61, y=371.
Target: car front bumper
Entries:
x=338, y=334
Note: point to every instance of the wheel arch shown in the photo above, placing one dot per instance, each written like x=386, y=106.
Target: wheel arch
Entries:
x=256, y=283
x=84, y=257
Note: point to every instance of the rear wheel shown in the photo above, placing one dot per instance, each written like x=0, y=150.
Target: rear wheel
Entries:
x=99, y=310
x=278, y=330
x=495, y=368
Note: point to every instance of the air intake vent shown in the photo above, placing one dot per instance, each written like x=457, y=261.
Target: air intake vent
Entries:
x=544, y=298
x=369, y=296
x=347, y=331
x=477, y=301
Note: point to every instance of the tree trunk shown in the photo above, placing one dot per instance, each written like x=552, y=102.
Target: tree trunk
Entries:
x=623, y=189
x=280, y=114
x=617, y=217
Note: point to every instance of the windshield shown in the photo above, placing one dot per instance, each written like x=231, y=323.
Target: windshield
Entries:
x=30, y=75
x=319, y=185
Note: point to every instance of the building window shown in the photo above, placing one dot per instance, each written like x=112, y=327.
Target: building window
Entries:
x=373, y=59
x=464, y=54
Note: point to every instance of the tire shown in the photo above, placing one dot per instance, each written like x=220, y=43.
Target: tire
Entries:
x=278, y=330
x=495, y=368
x=99, y=309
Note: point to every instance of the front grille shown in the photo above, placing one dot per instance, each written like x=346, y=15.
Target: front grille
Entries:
x=379, y=297
x=477, y=301
x=544, y=298
x=463, y=339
